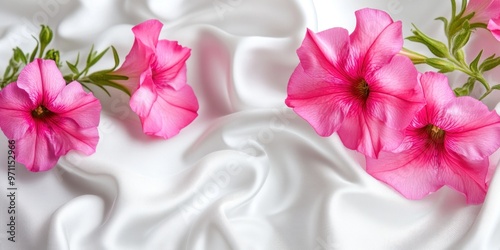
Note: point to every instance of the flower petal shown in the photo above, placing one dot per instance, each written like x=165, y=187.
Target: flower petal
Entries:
x=471, y=129
x=386, y=45
x=170, y=110
x=74, y=103
x=367, y=135
x=170, y=59
x=322, y=104
x=465, y=176
x=484, y=10
x=437, y=92
x=36, y=149
x=143, y=99
x=494, y=27
x=42, y=80
x=321, y=53
x=139, y=58
x=413, y=173
x=370, y=23
x=395, y=95
x=68, y=135
x=15, y=111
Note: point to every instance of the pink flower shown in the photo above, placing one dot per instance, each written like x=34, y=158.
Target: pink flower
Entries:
x=484, y=10
x=157, y=79
x=494, y=27
x=46, y=117
x=357, y=85
x=448, y=143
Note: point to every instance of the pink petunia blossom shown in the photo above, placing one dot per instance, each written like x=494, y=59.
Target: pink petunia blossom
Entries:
x=157, y=79
x=357, y=85
x=448, y=143
x=484, y=10
x=46, y=117
x=494, y=27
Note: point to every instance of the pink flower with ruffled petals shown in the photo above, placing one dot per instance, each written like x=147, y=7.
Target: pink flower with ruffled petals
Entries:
x=357, y=85
x=484, y=10
x=46, y=117
x=494, y=27
x=448, y=143
x=157, y=81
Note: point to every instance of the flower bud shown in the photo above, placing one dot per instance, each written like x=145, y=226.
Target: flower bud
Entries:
x=462, y=37
x=459, y=55
x=443, y=65
x=437, y=48
x=490, y=63
x=462, y=91
x=53, y=54
x=19, y=56
x=415, y=57
x=46, y=35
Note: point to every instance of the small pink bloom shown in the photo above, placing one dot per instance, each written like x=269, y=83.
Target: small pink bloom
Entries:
x=484, y=10
x=46, y=117
x=157, y=79
x=448, y=143
x=357, y=85
x=494, y=27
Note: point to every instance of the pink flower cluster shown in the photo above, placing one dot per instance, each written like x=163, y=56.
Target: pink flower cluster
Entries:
x=416, y=135
x=48, y=118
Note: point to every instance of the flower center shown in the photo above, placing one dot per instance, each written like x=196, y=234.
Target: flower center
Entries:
x=436, y=134
x=41, y=112
x=362, y=89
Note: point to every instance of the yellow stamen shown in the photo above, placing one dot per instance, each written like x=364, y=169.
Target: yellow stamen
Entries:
x=362, y=89
x=40, y=112
x=436, y=134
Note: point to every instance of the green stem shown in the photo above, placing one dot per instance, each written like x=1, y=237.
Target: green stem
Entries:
x=485, y=94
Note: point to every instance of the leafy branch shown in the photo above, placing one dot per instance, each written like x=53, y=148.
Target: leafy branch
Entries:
x=100, y=79
x=450, y=56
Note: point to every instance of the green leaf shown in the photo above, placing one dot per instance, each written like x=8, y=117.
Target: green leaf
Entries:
x=73, y=68
x=117, y=77
x=459, y=55
x=473, y=65
x=101, y=86
x=8, y=70
x=89, y=58
x=116, y=58
x=461, y=91
x=489, y=63
x=444, y=66
x=470, y=84
x=68, y=78
x=478, y=25
x=445, y=22
x=463, y=8
x=105, y=75
x=415, y=39
x=86, y=87
x=33, y=54
x=114, y=85
x=467, y=88
x=437, y=48
x=456, y=25
x=97, y=57
x=19, y=56
x=497, y=87
x=453, y=8
x=77, y=59
x=462, y=37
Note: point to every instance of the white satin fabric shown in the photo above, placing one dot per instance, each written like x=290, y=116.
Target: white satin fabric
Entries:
x=247, y=173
